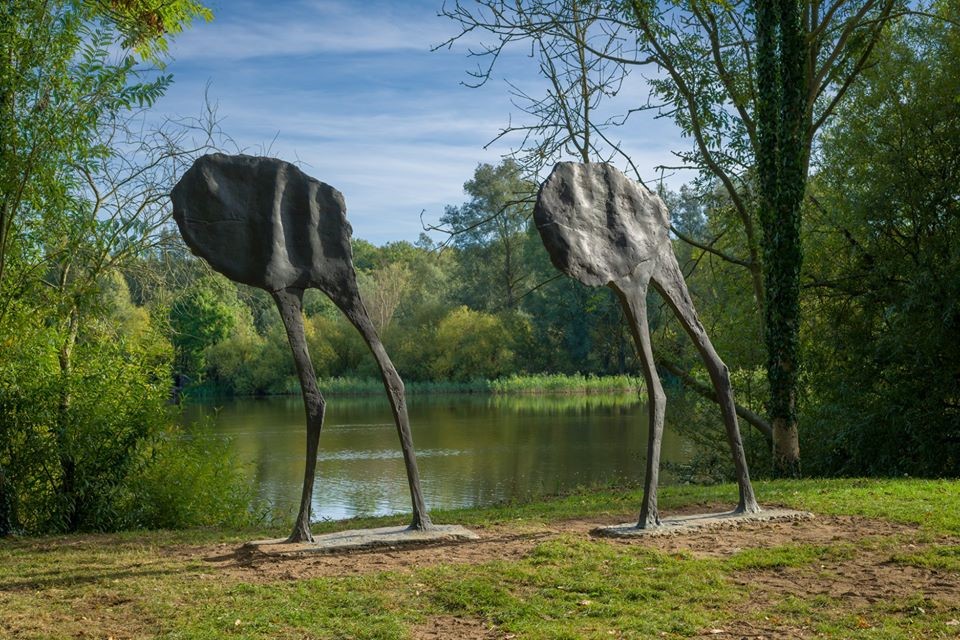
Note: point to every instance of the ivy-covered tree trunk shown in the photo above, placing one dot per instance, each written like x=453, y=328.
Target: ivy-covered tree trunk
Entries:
x=7, y=516
x=781, y=52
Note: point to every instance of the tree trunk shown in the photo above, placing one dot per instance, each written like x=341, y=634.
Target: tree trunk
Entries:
x=8, y=518
x=68, y=467
x=780, y=162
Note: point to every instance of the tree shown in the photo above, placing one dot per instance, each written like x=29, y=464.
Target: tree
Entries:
x=59, y=86
x=472, y=345
x=383, y=290
x=200, y=317
x=883, y=284
x=709, y=84
x=491, y=226
x=781, y=158
x=81, y=183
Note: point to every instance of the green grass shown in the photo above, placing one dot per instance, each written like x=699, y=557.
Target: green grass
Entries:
x=370, y=386
x=150, y=584
x=559, y=383
x=510, y=385
x=940, y=557
x=788, y=556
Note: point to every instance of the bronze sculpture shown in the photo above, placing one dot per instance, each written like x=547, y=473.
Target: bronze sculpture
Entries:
x=602, y=228
x=263, y=222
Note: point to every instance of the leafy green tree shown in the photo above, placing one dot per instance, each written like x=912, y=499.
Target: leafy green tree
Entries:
x=73, y=209
x=472, y=345
x=882, y=287
x=781, y=166
x=59, y=86
x=200, y=317
x=490, y=231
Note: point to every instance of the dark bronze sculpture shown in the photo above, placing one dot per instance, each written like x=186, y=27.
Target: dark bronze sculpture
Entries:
x=602, y=228
x=265, y=223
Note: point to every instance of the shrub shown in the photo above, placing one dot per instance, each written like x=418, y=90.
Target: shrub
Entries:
x=471, y=344
x=91, y=447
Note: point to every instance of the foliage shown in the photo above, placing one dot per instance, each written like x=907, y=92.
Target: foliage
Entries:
x=62, y=106
x=489, y=232
x=577, y=383
x=472, y=344
x=201, y=316
x=84, y=179
x=191, y=478
x=781, y=107
x=750, y=84
x=103, y=461
x=884, y=284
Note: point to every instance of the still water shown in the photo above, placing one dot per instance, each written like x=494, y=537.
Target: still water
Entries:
x=471, y=449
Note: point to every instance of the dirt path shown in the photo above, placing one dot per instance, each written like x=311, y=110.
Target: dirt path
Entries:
x=859, y=575
x=506, y=542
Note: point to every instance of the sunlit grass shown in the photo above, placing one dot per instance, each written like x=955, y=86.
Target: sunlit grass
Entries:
x=510, y=385
x=150, y=584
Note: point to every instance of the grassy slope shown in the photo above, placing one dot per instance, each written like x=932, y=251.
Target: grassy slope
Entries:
x=136, y=584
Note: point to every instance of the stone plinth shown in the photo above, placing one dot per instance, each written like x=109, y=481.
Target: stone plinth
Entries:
x=702, y=522
x=364, y=539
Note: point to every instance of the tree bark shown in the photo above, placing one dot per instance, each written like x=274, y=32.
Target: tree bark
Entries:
x=781, y=105
x=68, y=465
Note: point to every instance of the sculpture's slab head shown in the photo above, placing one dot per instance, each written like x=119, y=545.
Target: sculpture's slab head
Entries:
x=597, y=224
x=263, y=222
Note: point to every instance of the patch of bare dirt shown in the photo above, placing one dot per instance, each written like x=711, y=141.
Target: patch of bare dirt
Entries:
x=849, y=582
x=446, y=627
x=857, y=575
x=506, y=542
x=495, y=543
x=821, y=530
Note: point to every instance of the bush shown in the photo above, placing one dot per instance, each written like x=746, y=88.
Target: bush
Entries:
x=472, y=344
x=91, y=447
x=190, y=479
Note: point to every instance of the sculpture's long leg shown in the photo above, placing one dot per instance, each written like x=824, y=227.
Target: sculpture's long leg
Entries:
x=354, y=310
x=290, y=302
x=633, y=297
x=669, y=281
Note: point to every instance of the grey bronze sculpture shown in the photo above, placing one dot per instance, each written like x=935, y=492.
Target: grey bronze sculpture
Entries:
x=602, y=228
x=265, y=223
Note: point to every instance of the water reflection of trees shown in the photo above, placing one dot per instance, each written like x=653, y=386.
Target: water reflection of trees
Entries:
x=473, y=449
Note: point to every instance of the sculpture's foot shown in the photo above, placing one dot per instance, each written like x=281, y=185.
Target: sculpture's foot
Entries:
x=748, y=506
x=649, y=520
x=301, y=532
x=420, y=523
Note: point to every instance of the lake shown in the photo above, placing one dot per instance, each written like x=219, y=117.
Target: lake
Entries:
x=472, y=449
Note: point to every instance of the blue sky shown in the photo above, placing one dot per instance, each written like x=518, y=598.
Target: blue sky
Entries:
x=352, y=92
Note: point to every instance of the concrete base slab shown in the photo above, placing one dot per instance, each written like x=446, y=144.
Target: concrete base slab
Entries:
x=362, y=539
x=702, y=522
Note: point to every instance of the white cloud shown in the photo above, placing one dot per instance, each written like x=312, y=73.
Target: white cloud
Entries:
x=395, y=133
x=305, y=28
